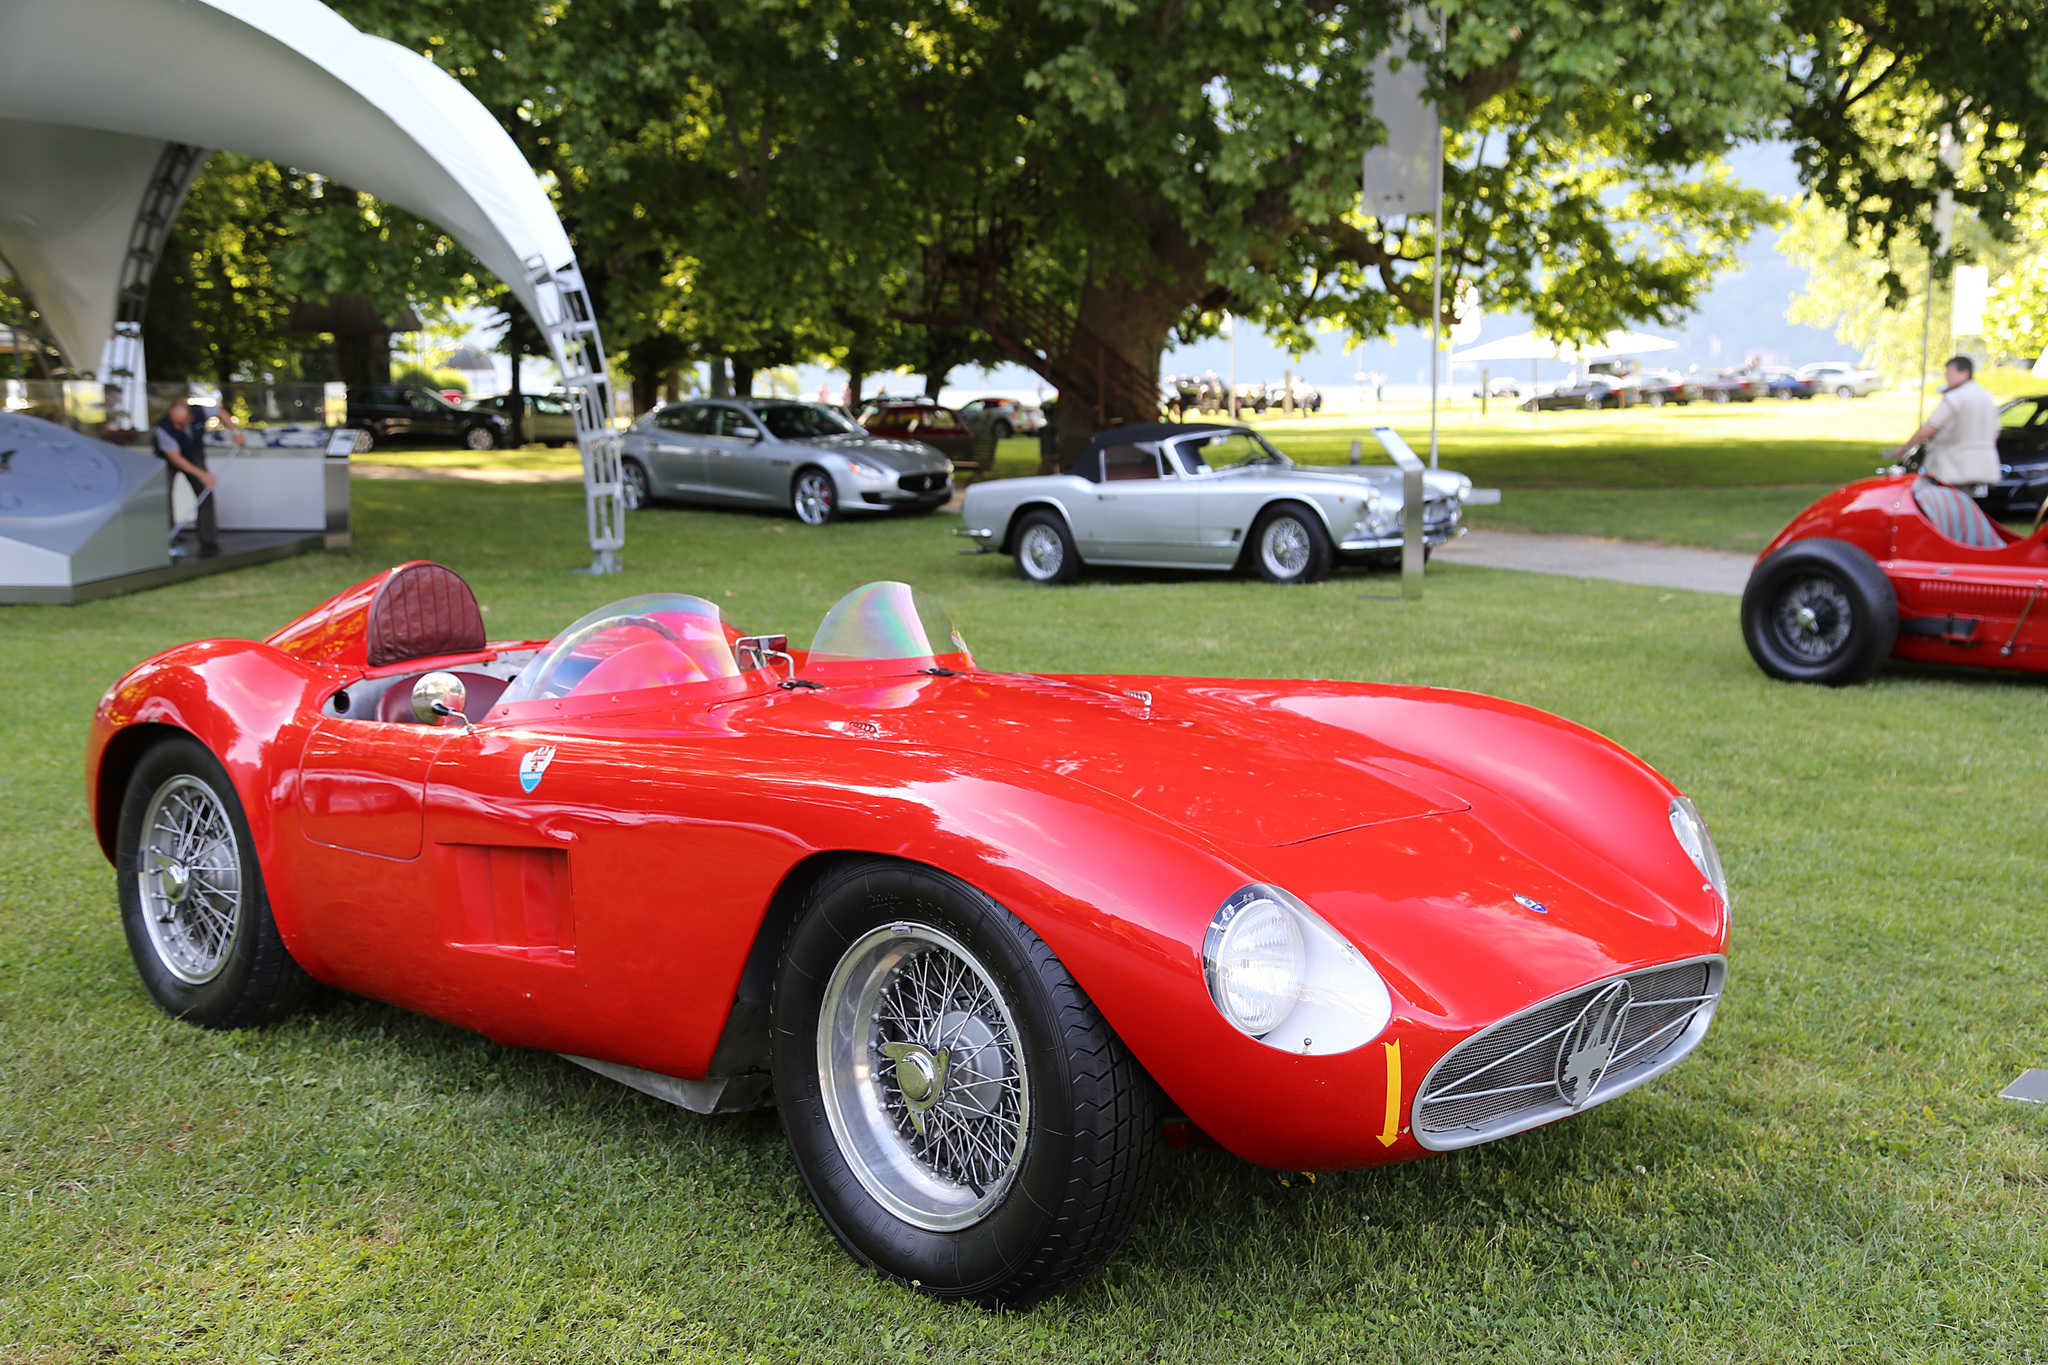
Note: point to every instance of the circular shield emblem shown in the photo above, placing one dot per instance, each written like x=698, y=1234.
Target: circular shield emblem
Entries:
x=1590, y=1044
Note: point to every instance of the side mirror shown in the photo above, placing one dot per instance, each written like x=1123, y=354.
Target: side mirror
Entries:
x=436, y=695
x=747, y=433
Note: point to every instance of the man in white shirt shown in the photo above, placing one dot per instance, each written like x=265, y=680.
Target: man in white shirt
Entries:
x=1961, y=435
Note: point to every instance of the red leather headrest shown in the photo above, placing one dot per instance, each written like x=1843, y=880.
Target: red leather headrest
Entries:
x=423, y=610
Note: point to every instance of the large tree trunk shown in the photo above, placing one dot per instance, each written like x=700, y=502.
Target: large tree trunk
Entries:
x=718, y=388
x=742, y=380
x=934, y=382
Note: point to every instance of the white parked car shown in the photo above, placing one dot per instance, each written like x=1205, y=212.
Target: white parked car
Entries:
x=1841, y=378
x=1205, y=495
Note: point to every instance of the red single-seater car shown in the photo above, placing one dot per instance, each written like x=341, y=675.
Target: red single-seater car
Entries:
x=1900, y=566
x=985, y=938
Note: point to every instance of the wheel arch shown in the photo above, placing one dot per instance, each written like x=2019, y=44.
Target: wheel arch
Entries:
x=1273, y=504
x=118, y=760
x=1037, y=503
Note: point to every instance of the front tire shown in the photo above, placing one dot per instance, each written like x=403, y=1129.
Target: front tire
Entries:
x=480, y=437
x=1002, y=431
x=1844, y=391
x=961, y=1114
x=1820, y=611
x=813, y=497
x=1289, y=545
x=636, y=490
x=1045, y=551
x=192, y=900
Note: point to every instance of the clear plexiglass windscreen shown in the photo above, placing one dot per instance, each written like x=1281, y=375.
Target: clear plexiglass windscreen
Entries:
x=1226, y=450
x=657, y=639
x=889, y=622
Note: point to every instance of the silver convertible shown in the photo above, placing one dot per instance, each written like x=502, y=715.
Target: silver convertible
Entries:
x=1203, y=496
x=803, y=458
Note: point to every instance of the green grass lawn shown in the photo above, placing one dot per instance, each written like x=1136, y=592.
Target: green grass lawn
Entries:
x=1830, y=1178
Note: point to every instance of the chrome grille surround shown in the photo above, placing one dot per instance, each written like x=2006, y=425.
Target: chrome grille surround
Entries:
x=1509, y=1076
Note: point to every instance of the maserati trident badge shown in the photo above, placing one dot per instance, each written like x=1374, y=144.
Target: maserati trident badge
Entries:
x=1590, y=1044
x=533, y=765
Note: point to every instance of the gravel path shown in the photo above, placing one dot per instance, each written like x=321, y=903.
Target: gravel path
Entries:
x=1622, y=561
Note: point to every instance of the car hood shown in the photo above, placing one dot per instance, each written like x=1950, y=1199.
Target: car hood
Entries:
x=898, y=456
x=1385, y=479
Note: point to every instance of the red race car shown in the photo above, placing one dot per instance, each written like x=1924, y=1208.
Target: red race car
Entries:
x=983, y=938
x=1898, y=566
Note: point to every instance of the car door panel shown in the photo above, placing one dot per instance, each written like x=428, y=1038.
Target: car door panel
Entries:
x=1139, y=515
x=739, y=466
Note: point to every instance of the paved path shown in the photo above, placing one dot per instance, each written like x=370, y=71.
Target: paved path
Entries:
x=1622, y=561
x=358, y=470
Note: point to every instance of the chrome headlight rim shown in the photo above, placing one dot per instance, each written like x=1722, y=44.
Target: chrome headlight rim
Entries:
x=1335, y=1002
x=1689, y=828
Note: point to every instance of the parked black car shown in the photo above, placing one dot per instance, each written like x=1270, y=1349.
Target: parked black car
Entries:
x=409, y=412
x=1593, y=393
x=1655, y=388
x=2022, y=459
x=549, y=419
x=1733, y=386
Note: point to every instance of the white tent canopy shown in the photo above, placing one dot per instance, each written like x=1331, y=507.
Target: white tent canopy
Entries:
x=1530, y=346
x=94, y=93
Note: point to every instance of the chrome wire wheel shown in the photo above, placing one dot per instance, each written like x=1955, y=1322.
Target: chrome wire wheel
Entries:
x=1813, y=617
x=190, y=875
x=814, y=497
x=923, y=1077
x=1042, y=552
x=1285, y=548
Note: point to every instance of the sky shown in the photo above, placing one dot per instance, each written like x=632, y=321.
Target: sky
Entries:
x=1742, y=315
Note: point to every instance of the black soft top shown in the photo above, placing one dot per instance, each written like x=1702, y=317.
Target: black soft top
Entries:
x=1142, y=433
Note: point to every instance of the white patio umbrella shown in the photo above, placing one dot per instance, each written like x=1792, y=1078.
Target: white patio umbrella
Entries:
x=1532, y=348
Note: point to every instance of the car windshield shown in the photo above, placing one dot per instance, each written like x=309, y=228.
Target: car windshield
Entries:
x=804, y=421
x=653, y=640
x=887, y=623
x=1226, y=450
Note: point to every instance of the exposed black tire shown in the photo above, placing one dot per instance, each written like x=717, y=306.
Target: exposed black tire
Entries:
x=1088, y=1116
x=1819, y=611
x=636, y=490
x=1044, y=549
x=1289, y=544
x=249, y=979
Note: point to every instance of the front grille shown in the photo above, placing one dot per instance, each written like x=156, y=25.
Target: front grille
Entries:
x=922, y=483
x=1518, y=1074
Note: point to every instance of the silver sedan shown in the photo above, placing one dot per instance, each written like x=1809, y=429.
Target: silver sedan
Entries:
x=1203, y=496
x=804, y=458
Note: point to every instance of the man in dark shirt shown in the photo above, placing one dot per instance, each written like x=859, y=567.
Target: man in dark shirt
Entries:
x=181, y=443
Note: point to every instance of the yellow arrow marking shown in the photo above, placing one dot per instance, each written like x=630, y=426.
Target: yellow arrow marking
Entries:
x=1393, y=1133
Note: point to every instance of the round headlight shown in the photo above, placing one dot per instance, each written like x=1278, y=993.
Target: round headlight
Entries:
x=1698, y=845
x=1253, y=959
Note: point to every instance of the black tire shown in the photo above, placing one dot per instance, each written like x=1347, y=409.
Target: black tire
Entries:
x=250, y=980
x=1300, y=549
x=1720, y=396
x=813, y=497
x=1044, y=549
x=636, y=490
x=1002, y=431
x=1089, y=1132
x=366, y=440
x=481, y=436
x=1819, y=611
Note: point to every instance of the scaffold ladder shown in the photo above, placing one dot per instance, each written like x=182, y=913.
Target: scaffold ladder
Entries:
x=579, y=354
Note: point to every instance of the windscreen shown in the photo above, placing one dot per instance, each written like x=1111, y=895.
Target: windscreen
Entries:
x=889, y=622
x=804, y=421
x=1226, y=450
x=653, y=640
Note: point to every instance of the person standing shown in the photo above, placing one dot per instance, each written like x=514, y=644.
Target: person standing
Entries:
x=181, y=444
x=1961, y=434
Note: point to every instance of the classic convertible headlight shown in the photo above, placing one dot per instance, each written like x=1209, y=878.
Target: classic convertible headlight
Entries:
x=1699, y=845
x=1280, y=974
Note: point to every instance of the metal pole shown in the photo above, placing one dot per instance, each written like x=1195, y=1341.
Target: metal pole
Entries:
x=1436, y=295
x=1926, y=326
x=1233, y=364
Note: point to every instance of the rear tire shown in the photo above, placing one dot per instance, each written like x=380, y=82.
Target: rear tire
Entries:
x=1045, y=551
x=1720, y=396
x=1289, y=545
x=192, y=900
x=963, y=1117
x=1844, y=391
x=1820, y=611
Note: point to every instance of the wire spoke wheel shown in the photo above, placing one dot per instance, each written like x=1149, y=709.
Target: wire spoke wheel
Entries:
x=923, y=1077
x=814, y=498
x=190, y=878
x=1813, y=617
x=1042, y=552
x=1285, y=548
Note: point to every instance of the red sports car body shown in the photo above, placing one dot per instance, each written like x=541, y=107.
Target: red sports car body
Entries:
x=981, y=933
x=1896, y=567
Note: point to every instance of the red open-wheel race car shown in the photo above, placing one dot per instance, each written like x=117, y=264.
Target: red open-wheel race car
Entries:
x=1900, y=566
x=983, y=938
